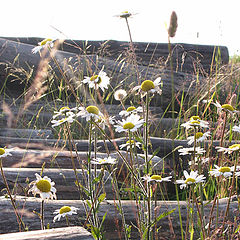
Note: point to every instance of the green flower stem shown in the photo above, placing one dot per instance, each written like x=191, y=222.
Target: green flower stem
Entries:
x=90, y=185
x=133, y=183
x=230, y=193
x=222, y=137
x=188, y=214
x=67, y=220
x=70, y=138
x=115, y=186
x=42, y=215
x=199, y=215
x=20, y=221
x=148, y=167
x=124, y=159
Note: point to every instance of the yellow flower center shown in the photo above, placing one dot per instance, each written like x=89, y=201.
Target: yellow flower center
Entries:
x=93, y=110
x=43, y=185
x=64, y=209
x=195, y=118
x=128, y=142
x=147, y=85
x=102, y=160
x=43, y=42
x=224, y=169
x=156, y=177
x=237, y=146
x=195, y=122
x=130, y=109
x=128, y=125
x=64, y=109
x=228, y=107
x=198, y=135
x=93, y=78
x=2, y=151
x=190, y=180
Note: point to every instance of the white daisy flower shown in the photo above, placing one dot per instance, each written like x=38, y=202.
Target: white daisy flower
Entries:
x=131, y=110
x=5, y=152
x=201, y=160
x=149, y=86
x=98, y=81
x=103, y=161
x=132, y=123
x=64, y=111
x=64, y=211
x=90, y=112
x=120, y=94
x=191, y=178
x=186, y=151
x=125, y=14
x=127, y=144
x=223, y=108
x=195, y=121
x=230, y=149
x=43, y=187
x=44, y=43
x=236, y=129
x=157, y=178
x=200, y=137
x=221, y=171
x=68, y=119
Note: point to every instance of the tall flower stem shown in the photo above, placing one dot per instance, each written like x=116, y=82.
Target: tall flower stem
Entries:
x=42, y=215
x=148, y=167
x=90, y=183
x=133, y=182
x=20, y=221
x=231, y=192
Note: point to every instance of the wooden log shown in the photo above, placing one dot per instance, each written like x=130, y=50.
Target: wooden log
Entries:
x=170, y=226
x=18, y=178
x=194, y=55
x=118, y=71
x=62, y=159
x=71, y=233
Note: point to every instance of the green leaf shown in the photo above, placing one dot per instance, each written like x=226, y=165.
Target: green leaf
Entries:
x=101, y=197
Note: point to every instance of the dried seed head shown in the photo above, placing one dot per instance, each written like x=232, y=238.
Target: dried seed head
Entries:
x=173, y=25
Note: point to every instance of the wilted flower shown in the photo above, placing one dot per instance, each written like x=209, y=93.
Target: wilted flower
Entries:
x=43, y=187
x=64, y=211
x=47, y=42
x=191, y=178
x=173, y=25
x=132, y=123
x=120, y=94
x=98, y=81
